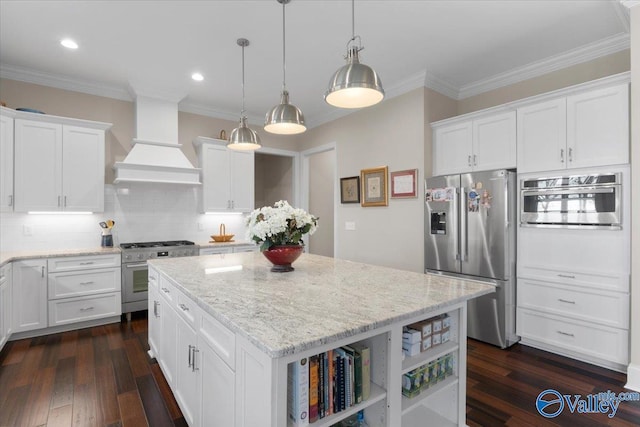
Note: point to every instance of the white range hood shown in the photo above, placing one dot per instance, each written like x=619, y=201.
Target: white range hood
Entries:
x=156, y=155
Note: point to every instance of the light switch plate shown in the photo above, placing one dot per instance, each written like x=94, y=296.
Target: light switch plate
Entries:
x=349, y=225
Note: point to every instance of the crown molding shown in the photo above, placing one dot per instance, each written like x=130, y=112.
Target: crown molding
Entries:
x=630, y=3
x=623, y=14
x=441, y=85
x=204, y=110
x=64, y=82
x=582, y=54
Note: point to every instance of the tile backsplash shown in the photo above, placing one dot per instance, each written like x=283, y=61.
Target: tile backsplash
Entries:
x=141, y=211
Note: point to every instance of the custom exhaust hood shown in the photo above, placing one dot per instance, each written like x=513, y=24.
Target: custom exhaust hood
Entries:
x=156, y=155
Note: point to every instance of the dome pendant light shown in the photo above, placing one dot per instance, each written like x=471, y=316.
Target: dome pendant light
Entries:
x=354, y=85
x=243, y=138
x=284, y=118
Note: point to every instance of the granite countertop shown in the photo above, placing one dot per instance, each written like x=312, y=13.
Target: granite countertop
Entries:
x=9, y=256
x=323, y=300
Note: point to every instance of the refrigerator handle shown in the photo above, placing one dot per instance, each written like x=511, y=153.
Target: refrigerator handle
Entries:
x=456, y=210
x=464, y=219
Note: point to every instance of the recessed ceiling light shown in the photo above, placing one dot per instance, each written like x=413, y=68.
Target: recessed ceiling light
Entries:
x=197, y=77
x=69, y=44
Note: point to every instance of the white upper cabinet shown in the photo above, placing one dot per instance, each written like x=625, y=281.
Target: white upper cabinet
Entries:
x=475, y=145
x=542, y=135
x=582, y=130
x=227, y=177
x=6, y=160
x=59, y=166
x=598, y=127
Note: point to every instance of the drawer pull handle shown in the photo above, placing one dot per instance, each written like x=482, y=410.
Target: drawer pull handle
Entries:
x=86, y=263
x=155, y=308
x=191, y=347
x=152, y=278
x=87, y=309
x=193, y=363
x=566, y=334
x=567, y=276
x=166, y=291
x=86, y=283
x=183, y=307
x=566, y=301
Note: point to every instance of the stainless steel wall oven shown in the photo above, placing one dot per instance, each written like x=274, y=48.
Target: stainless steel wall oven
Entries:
x=576, y=201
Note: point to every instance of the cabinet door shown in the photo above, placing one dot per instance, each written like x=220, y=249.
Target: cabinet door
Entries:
x=452, y=146
x=6, y=164
x=494, y=142
x=168, y=342
x=38, y=166
x=155, y=321
x=4, y=296
x=217, y=384
x=215, y=178
x=188, y=373
x=542, y=135
x=242, y=181
x=598, y=127
x=82, y=169
x=30, y=295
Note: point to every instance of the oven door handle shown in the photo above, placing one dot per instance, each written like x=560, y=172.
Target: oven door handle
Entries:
x=136, y=265
x=582, y=190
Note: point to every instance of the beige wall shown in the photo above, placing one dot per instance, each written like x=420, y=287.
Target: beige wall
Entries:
x=601, y=67
x=322, y=201
x=635, y=207
x=121, y=114
x=388, y=134
x=273, y=179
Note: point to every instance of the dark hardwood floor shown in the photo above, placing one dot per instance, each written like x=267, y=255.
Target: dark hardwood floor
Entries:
x=102, y=376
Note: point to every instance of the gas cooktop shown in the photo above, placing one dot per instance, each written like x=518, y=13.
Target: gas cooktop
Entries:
x=143, y=245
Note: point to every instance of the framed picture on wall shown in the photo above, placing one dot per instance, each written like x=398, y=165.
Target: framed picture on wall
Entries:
x=350, y=189
x=404, y=184
x=374, y=186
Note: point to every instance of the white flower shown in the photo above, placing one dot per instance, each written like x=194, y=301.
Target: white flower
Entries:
x=279, y=225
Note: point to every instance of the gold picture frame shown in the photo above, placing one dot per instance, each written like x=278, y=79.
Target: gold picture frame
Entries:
x=374, y=186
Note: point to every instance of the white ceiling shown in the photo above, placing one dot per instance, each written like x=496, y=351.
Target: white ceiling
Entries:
x=459, y=48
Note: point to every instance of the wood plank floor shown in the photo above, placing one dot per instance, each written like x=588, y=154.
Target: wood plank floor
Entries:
x=102, y=376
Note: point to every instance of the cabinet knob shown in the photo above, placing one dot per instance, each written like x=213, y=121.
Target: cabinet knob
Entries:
x=562, y=155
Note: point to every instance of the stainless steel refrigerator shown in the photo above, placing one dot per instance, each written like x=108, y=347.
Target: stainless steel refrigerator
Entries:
x=470, y=224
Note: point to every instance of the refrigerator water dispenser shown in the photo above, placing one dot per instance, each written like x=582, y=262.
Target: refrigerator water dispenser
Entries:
x=438, y=223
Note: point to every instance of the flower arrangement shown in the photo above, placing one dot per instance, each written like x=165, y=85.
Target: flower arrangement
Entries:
x=281, y=224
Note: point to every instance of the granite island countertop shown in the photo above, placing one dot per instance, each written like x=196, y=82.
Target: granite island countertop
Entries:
x=323, y=300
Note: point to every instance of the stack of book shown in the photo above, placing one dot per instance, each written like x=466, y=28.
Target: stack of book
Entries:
x=328, y=383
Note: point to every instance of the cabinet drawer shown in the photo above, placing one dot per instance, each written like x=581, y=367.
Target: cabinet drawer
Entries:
x=581, y=337
x=77, y=283
x=608, y=308
x=598, y=280
x=246, y=248
x=72, y=310
x=187, y=309
x=154, y=278
x=213, y=251
x=83, y=262
x=219, y=338
x=167, y=291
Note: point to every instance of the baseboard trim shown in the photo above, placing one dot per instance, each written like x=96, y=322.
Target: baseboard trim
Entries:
x=633, y=377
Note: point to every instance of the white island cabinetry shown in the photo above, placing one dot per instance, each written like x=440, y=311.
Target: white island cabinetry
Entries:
x=5, y=304
x=235, y=336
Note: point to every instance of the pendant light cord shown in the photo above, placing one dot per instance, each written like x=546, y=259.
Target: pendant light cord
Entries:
x=353, y=20
x=242, y=112
x=284, y=52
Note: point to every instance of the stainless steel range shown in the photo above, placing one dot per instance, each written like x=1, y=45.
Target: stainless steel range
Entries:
x=135, y=272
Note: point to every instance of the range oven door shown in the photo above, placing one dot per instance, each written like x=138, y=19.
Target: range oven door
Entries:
x=135, y=286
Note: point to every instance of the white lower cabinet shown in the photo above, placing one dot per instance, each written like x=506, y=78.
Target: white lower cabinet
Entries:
x=155, y=315
x=5, y=304
x=188, y=372
x=84, y=288
x=229, y=249
x=217, y=384
x=29, y=295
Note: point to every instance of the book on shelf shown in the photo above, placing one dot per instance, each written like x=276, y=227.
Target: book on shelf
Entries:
x=326, y=384
x=332, y=372
x=321, y=375
x=313, y=389
x=298, y=396
x=365, y=361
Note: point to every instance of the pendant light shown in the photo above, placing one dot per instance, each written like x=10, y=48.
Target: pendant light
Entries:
x=354, y=85
x=284, y=118
x=243, y=138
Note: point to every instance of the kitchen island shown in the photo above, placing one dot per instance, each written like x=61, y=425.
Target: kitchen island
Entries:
x=224, y=329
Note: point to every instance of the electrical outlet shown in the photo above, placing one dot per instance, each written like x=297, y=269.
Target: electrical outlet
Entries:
x=27, y=230
x=349, y=225
x=200, y=226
